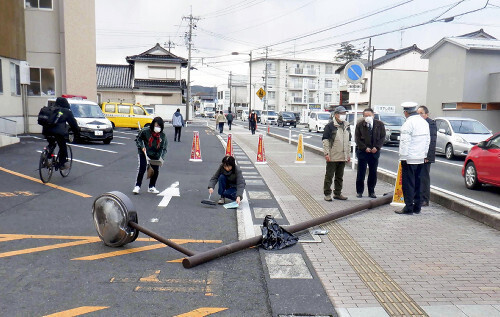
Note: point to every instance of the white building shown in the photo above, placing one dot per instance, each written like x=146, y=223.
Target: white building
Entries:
x=464, y=78
x=398, y=76
x=294, y=85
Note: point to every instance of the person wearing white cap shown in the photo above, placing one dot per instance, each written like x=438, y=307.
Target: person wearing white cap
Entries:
x=413, y=146
x=337, y=151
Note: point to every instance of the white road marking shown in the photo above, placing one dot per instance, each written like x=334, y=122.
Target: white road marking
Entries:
x=118, y=143
x=477, y=202
x=449, y=163
x=168, y=193
x=244, y=216
x=130, y=133
x=83, y=162
x=93, y=148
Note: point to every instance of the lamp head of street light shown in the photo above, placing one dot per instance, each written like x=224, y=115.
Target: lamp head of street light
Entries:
x=235, y=53
x=449, y=19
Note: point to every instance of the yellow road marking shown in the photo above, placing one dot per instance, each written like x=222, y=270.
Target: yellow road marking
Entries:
x=203, y=311
x=74, y=192
x=121, y=252
x=78, y=311
x=44, y=248
x=176, y=261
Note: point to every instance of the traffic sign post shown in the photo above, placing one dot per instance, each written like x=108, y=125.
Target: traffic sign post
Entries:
x=354, y=73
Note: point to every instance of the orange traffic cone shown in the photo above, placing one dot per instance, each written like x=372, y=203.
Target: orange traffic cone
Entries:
x=229, y=146
x=261, y=153
x=300, y=151
x=195, y=149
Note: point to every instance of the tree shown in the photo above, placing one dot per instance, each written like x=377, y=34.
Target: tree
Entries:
x=347, y=52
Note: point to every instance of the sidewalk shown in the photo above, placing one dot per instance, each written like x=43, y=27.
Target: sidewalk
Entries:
x=376, y=262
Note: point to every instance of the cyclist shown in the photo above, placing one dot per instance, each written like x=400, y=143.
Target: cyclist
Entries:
x=58, y=132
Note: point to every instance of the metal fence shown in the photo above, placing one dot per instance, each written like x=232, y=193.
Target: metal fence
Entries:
x=8, y=127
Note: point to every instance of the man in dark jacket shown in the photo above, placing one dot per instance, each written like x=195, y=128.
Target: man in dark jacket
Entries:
x=252, y=120
x=431, y=157
x=370, y=136
x=58, y=132
x=229, y=118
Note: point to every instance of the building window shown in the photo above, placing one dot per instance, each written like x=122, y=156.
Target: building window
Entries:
x=484, y=106
x=39, y=4
x=328, y=69
x=271, y=81
x=1, y=80
x=272, y=95
x=328, y=97
x=42, y=82
x=449, y=105
x=15, y=83
x=271, y=66
x=328, y=84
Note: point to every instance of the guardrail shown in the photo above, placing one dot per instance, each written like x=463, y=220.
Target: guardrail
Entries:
x=8, y=127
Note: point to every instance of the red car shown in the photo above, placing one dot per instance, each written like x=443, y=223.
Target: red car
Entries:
x=481, y=165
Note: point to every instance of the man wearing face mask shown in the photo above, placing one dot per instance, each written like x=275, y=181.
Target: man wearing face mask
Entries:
x=370, y=136
x=151, y=145
x=337, y=151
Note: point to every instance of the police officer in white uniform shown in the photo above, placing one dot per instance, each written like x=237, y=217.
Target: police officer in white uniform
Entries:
x=413, y=147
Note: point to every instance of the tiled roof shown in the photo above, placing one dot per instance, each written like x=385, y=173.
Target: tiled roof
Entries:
x=468, y=43
x=114, y=76
x=157, y=54
x=154, y=83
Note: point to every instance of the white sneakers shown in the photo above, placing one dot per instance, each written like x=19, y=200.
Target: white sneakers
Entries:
x=153, y=190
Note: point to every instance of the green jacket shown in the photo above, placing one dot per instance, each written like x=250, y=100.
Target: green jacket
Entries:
x=153, y=152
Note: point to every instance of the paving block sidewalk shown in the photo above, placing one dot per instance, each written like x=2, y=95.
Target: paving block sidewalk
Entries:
x=376, y=262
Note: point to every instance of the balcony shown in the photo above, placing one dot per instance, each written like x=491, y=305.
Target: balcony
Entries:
x=312, y=86
x=297, y=100
x=295, y=87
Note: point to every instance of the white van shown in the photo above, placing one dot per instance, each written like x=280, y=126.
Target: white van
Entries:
x=244, y=115
x=92, y=124
x=318, y=120
x=269, y=116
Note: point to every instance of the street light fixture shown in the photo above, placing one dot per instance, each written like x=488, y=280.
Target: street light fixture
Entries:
x=250, y=80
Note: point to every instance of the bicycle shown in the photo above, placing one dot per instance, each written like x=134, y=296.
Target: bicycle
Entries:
x=50, y=161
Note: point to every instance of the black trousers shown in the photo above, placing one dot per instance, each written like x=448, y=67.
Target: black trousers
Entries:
x=253, y=126
x=370, y=160
x=425, y=182
x=61, y=142
x=142, y=169
x=411, y=177
x=229, y=123
x=177, y=135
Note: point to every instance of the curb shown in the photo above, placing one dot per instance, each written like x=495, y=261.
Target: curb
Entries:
x=478, y=213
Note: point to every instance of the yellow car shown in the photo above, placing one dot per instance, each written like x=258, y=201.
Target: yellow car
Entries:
x=126, y=115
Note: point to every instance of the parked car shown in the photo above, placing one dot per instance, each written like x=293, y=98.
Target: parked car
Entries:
x=297, y=117
x=318, y=120
x=392, y=123
x=359, y=116
x=481, y=164
x=269, y=116
x=244, y=115
x=456, y=136
x=126, y=115
x=286, y=119
x=92, y=124
x=259, y=115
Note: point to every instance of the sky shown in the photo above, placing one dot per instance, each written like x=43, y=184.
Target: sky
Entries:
x=300, y=29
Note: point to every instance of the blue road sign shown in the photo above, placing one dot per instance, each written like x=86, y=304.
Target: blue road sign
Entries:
x=354, y=72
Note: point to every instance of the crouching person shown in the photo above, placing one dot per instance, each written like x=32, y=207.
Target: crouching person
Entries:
x=230, y=179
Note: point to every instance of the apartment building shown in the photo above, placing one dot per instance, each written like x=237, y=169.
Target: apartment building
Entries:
x=295, y=85
x=56, y=39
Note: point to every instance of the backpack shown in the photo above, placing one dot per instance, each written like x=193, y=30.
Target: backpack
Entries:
x=229, y=117
x=48, y=116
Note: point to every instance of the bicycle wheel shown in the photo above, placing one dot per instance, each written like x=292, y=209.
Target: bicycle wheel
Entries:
x=65, y=172
x=45, y=167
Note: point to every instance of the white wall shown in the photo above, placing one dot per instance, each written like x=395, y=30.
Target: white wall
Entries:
x=141, y=70
x=494, y=87
x=478, y=66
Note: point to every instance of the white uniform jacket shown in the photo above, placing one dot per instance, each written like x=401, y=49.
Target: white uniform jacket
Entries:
x=414, y=140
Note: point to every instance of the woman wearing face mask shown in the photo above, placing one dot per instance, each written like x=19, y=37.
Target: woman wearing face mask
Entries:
x=151, y=145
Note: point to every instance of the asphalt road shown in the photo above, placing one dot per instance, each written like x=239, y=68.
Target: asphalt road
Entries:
x=52, y=262
x=445, y=174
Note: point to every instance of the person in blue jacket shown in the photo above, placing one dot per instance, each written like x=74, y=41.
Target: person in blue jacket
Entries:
x=178, y=123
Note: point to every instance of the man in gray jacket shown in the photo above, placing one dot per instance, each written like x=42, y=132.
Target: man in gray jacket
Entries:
x=337, y=151
x=178, y=123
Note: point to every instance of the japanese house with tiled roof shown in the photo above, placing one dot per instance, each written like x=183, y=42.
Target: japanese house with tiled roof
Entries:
x=150, y=78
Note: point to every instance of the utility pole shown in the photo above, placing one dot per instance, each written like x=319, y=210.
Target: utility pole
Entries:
x=170, y=44
x=265, y=85
x=371, y=79
x=189, y=38
x=250, y=86
x=230, y=89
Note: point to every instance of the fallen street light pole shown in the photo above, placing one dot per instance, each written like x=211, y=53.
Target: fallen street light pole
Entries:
x=202, y=257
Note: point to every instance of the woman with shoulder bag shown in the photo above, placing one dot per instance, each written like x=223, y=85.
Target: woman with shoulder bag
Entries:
x=151, y=145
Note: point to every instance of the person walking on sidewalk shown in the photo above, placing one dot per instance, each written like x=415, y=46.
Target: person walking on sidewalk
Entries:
x=230, y=179
x=229, y=118
x=221, y=119
x=413, y=146
x=178, y=123
x=252, y=120
x=337, y=150
x=151, y=145
x=370, y=136
x=431, y=156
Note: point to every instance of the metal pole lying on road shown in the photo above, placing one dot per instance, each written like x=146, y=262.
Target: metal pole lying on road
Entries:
x=206, y=256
